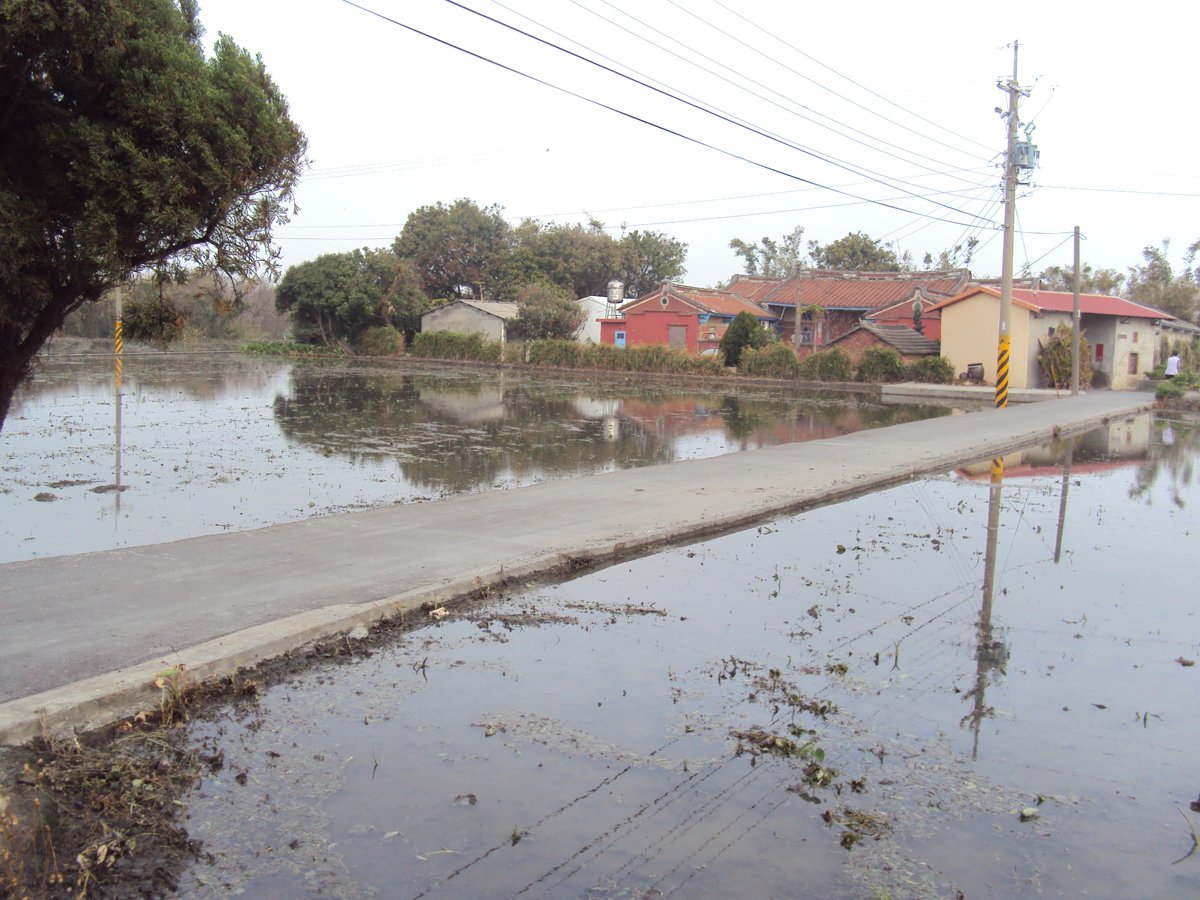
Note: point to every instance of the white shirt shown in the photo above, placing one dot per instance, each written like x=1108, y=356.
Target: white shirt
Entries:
x=1172, y=365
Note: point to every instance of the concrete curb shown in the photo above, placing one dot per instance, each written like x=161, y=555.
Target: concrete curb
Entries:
x=102, y=699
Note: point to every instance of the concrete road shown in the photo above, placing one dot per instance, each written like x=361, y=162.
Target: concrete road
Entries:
x=84, y=636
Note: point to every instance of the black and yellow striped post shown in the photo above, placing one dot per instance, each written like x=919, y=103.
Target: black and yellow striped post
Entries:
x=1002, y=372
x=118, y=350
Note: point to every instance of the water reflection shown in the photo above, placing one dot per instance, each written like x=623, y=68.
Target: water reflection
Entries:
x=461, y=432
x=213, y=441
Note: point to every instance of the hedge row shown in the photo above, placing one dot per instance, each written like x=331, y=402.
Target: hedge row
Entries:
x=450, y=345
x=643, y=358
x=778, y=360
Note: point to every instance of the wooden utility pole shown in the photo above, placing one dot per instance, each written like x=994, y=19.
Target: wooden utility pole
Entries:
x=1010, y=222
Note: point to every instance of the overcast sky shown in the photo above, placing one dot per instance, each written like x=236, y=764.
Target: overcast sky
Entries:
x=801, y=114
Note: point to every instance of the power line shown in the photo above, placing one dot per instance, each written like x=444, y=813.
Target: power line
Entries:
x=855, y=83
x=742, y=75
x=635, y=118
x=725, y=118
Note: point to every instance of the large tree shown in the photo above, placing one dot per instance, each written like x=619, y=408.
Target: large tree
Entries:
x=855, y=252
x=1091, y=281
x=774, y=259
x=337, y=296
x=648, y=258
x=546, y=311
x=1156, y=284
x=124, y=149
x=457, y=250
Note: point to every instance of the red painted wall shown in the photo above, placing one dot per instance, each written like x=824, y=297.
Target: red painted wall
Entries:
x=648, y=325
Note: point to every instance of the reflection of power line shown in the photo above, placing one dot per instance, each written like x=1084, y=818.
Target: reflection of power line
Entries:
x=703, y=866
x=561, y=809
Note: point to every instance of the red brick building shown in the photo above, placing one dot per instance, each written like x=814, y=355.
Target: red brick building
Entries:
x=910, y=344
x=845, y=298
x=692, y=319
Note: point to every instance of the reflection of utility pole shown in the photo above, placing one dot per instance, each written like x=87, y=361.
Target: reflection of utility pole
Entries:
x=118, y=349
x=1068, y=456
x=989, y=653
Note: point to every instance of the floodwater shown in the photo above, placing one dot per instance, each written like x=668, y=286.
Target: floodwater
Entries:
x=858, y=701
x=219, y=441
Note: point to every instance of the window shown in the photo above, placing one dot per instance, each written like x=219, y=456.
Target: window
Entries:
x=677, y=335
x=806, y=335
x=1133, y=363
x=1135, y=334
x=1099, y=353
x=1050, y=332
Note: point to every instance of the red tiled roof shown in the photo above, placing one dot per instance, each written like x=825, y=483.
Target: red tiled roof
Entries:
x=863, y=290
x=753, y=287
x=709, y=300
x=1063, y=301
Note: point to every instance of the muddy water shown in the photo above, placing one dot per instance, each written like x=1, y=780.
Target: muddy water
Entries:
x=854, y=702
x=216, y=441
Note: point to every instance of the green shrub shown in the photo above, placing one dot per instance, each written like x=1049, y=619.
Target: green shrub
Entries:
x=827, y=365
x=1170, y=389
x=932, y=370
x=381, y=340
x=745, y=331
x=1054, y=357
x=880, y=364
x=452, y=345
x=640, y=358
x=287, y=348
x=776, y=360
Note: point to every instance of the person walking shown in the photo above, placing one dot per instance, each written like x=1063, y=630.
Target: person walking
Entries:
x=1172, y=365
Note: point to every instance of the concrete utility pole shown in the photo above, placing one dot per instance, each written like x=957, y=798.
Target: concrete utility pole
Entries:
x=1010, y=221
x=1076, y=337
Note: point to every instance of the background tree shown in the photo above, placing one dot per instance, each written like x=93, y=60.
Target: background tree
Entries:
x=457, y=250
x=404, y=300
x=124, y=149
x=855, y=252
x=1108, y=282
x=744, y=331
x=648, y=258
x=337, y=296
x=769, y=258
x=546, y=311
x=956, y=257
x=1155, y=284
x=579, y=260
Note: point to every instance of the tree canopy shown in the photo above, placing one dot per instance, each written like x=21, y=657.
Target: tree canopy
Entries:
x=774, y=259
x=337, y=296
x=1155, y=283
x=464, y=250
x=124, y=149
x=546, y=311
x=856, y=252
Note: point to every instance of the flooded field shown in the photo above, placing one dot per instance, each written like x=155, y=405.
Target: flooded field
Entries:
x=218, y=441
x=956, y=687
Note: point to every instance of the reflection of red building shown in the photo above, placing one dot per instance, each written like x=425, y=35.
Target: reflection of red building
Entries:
x=692, y=319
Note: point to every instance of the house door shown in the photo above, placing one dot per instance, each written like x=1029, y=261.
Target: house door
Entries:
x=677, y=336
x=619, y=339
